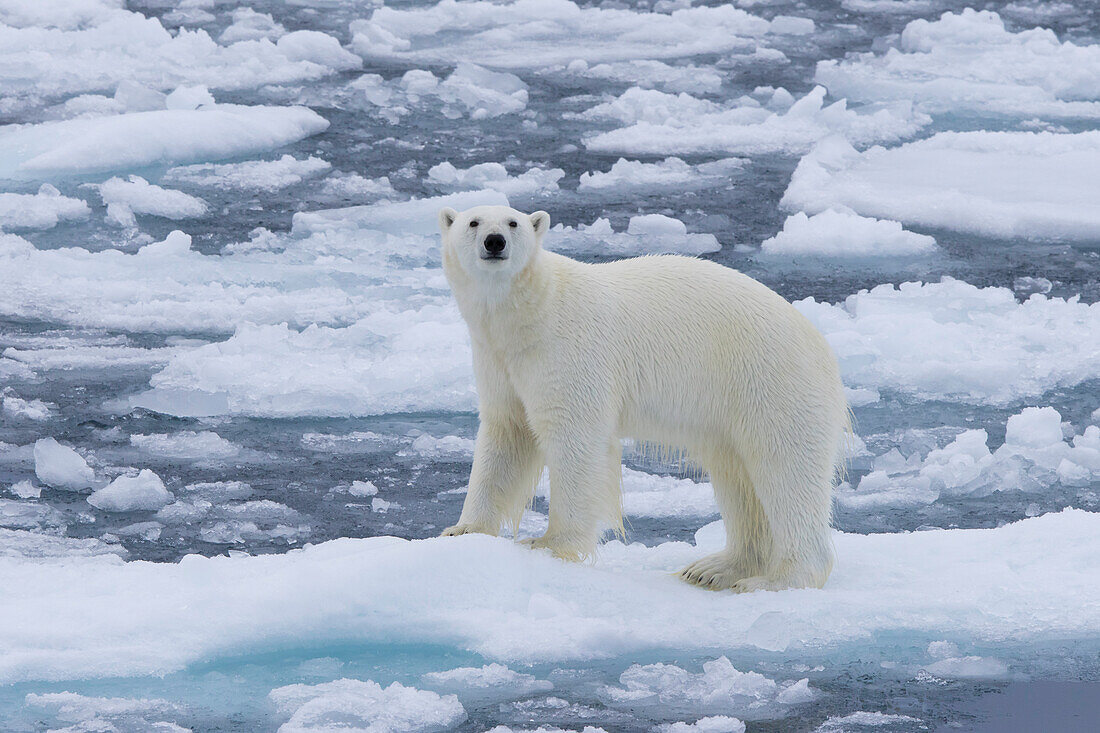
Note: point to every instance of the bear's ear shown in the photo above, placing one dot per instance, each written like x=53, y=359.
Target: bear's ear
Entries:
x=447, y=217
x=540, y=222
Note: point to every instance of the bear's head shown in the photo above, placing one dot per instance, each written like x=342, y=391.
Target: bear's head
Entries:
x=491, y=243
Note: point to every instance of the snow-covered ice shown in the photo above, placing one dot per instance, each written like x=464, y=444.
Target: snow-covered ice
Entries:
x=665, y=124
x=1039, y=185
x=842, y=233
x=365, y=705
x=136, y=195
x=259, y=404
x=259, y=175
x=1020, y=584
x=42, y=210
x=990, y=348
x=144, y=492
x=537, y=33
x=137, y=139
x=61, y=467
x=969, y=64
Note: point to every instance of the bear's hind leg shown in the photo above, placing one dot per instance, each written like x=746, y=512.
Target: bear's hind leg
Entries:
x=747, y=537
x=795, y=493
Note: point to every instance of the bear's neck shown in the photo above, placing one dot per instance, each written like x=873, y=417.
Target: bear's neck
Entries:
x=518, y=308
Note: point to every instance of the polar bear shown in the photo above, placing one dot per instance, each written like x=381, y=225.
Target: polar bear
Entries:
x=676, y=352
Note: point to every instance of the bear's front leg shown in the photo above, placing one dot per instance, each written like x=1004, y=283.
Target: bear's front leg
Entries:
x=507, y=464
x=585, y=473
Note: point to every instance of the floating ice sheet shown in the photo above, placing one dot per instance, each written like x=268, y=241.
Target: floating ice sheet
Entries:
x=969, y=64
x=1039, y=185
x=990, y=349
x=540, y=33
x=161, y=137
x=1024, y=583
x=42, y=210
x=843, y=233
x=665, y=124
x=95, y=51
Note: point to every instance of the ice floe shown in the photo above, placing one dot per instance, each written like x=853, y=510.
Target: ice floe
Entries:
x=629, y=176
x=843, y=233
x=161, y=137
x=540, y=33
x=645, y=234
x=96, y=52
x=1019, y=584
x=136, y=195
x=42, y=210
x=364, y=705
x=61, y=467
x=1040, y=185
x=969, y=64
x=534, y=181
x=143, y=492
x=469, y=90
x=990, y=348
x=1034, y=457
x=665, y=124
x=249, y=175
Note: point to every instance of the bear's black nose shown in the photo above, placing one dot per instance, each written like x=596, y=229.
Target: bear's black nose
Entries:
x=494, y=244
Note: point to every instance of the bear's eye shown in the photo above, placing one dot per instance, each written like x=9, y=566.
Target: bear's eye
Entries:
x=473, y=224
x=513, y=224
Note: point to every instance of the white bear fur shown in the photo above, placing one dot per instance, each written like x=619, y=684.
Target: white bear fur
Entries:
x=677, y=352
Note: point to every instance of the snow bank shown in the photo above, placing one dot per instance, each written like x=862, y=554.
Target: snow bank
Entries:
x=842, y=233
x=1034, y=457
x=251, y=175
x=160, y=137
x=541, y=33
x=990, y=349
x=42, y=210
x=664, y=124
x=61, y=467
x=126, y=198
x=969, y=64
x=144, y=492
x=366, y=706
x=1038, y=185
x=1020, y=584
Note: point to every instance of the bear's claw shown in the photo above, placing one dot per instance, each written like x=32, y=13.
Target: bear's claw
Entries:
x=719, y=571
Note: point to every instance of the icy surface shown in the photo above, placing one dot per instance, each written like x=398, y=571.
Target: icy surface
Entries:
x=144, y=492
x=42, y=210
x=365, y=705
x=841, y=233
x=663, y=124
x=969, y=63
x=287, y=362
x=1001, y=184
x=61, y=467
x=991, y=348
x=136, y=139
x=1022, y=583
